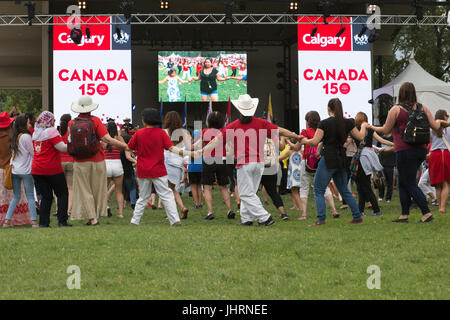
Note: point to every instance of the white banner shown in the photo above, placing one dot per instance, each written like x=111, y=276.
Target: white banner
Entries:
x=332, y=66
x=99, y=67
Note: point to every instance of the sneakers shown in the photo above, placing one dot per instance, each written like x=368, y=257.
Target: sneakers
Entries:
x=317, y=223
x=363, y=214
x=355, y=221
x=284, y=216
x=177, y=224
x=266, y=223
x=376, y=214
x=109, y=212
x=231, y=214
x=248, y=223
x=434, y=203
x=184, y=213
x=210, y=216
x=380, y=199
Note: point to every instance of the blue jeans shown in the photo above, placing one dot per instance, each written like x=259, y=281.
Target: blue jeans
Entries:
x=321, y=180
x=28, y=184
x=129, y=182
x=408, y=162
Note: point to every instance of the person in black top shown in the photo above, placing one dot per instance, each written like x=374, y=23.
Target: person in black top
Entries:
x=387, y=160
x=333, y=132
x=368, y=164
x=129, y=179
x=208, y=81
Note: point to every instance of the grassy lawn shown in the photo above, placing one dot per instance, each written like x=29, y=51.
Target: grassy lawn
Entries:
x=192, y=91
x=220, y=260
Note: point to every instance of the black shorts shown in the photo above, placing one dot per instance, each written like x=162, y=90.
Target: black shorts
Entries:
x=211, y=172
x=195, y=177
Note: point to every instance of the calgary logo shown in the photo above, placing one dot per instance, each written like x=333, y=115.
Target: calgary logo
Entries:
x=324, y=41
x=363, y=40
x=124, y=37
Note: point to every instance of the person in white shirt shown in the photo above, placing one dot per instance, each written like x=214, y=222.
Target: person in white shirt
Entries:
x=22, y=152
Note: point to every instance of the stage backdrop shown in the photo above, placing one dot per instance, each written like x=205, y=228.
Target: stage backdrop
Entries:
x=99, y=67
x=333, y=67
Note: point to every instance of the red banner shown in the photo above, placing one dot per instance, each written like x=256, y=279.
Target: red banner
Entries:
x=100, y=35
x=325, y=37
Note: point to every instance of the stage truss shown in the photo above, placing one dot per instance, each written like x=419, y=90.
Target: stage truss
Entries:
x=264, y=19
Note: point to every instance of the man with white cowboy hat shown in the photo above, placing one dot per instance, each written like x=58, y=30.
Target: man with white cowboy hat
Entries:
x=89, y=172
x=248, y=135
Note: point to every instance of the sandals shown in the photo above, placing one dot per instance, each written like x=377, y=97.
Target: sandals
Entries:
x=336, y=215
x=302, y=218
x=184, y=213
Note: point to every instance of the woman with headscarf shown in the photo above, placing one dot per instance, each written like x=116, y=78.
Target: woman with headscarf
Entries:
x=21, y=215
x=47, y=170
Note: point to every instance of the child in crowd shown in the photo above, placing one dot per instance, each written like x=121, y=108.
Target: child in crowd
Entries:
x=173, y=91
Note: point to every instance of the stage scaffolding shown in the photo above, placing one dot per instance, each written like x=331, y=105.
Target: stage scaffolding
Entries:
x=213, y=18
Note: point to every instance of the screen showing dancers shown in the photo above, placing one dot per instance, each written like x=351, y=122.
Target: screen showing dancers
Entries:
x=201, y=75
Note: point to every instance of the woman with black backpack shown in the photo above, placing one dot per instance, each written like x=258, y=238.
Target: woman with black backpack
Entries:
x=410, y=124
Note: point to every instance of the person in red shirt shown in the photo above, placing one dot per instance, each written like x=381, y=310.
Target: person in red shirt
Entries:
x=47, y=170
x=214, y=166
x=150, y=143
x=89, y=175
x=248, y=135
x=66, y=159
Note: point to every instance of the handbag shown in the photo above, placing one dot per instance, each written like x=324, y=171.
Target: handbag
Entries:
x=446, y=143
x=354, y=165
x=7, y=180
x=269, y=154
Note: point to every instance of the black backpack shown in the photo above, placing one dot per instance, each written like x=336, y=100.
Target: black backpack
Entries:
x=417, y=129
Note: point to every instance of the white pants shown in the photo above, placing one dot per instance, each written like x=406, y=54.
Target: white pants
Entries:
x=248, y=179
x=305, y=181
x=164, y=193
x=425, y=186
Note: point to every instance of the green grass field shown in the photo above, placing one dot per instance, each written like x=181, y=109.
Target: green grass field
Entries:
x=192, y=90
x=219, y=259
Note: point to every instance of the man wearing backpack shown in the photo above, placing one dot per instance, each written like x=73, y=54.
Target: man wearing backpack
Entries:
x=89, y=168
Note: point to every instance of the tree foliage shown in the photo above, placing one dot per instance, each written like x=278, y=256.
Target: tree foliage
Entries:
x=27, y=100
x=430, y=45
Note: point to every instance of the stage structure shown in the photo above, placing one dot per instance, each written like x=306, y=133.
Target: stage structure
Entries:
x=100, y=66
x=213, y=18
x=334, y=61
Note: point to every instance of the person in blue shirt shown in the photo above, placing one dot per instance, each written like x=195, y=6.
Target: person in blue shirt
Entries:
x=195, y=169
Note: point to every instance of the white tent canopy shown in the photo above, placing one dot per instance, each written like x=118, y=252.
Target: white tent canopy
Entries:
x=431, y=92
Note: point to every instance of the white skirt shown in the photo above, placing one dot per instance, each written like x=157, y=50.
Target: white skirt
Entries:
x=175, y=175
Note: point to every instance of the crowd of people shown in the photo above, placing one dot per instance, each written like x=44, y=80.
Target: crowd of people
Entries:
x=78, y=161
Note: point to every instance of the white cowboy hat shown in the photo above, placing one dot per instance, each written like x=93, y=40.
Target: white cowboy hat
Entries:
x=84, y=105
x=246, y=105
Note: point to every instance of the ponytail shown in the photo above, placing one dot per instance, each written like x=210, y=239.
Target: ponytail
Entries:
x=64, y=123
x=335, y=106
